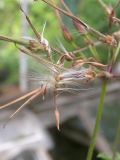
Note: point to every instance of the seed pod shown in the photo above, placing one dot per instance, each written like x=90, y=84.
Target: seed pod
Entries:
x=79, y=26
x=66, y=34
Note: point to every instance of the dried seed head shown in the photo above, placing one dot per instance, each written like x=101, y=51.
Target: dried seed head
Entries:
x=76, y=75
x=35, y=46
x=66, y=34
x=75, y=80
x=109, y=40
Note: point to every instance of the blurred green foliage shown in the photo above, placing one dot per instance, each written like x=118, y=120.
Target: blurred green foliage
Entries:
x=10, y=21
x=102, y=156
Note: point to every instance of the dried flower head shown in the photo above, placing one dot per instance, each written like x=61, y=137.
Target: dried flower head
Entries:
x=110, y=40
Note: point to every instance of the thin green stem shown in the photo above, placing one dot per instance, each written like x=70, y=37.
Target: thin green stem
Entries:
x=116, y=53
x=98, y=118
x=92, y=47
x=104, y=6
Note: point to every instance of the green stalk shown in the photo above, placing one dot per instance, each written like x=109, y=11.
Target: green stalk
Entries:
x=92, y=47
x=98, y=118
x=116, y=53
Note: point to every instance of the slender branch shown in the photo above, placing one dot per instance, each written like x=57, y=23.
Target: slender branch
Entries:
x=19, y=99
x=38, y=36
x=35, y=95
x=65, y=6
x=86, y=47
x=3, y=38
x=38, y=93
x=103, y=5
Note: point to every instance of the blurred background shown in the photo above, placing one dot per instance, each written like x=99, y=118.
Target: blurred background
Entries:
x=32, y=133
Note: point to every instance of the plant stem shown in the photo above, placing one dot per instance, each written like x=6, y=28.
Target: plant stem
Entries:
x=98, y=118
x=116, y=53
